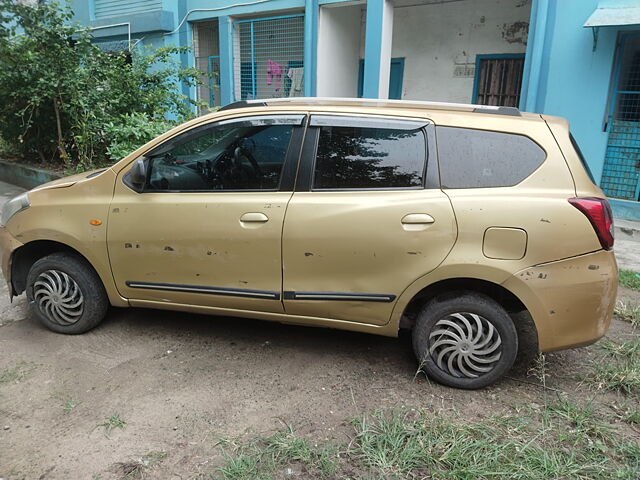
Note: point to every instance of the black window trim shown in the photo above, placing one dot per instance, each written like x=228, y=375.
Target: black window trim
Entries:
x=308, y=158
x=290, y=165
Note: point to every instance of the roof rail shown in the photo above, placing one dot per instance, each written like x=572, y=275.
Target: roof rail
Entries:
x=243, y=104
x=375, y=102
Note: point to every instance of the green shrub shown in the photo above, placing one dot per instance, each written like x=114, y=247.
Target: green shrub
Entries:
x=63, y=99
x=131, y=131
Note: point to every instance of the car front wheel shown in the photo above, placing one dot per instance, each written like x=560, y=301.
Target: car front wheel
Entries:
x=66, y=294
x=465, y=340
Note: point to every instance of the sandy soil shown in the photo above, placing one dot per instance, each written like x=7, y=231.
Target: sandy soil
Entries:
x=181, y=382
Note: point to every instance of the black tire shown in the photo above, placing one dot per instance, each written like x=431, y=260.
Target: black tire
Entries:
x=453, y=355
x=66, y=294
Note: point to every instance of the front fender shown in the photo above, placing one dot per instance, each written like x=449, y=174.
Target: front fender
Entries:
x=63, y=215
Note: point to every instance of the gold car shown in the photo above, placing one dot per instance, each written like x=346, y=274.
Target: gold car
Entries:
x=478, y=228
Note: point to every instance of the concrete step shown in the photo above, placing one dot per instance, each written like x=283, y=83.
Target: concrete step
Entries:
x=627, y=229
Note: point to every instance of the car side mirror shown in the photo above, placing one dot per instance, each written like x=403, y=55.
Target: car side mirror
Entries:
x=138, y=174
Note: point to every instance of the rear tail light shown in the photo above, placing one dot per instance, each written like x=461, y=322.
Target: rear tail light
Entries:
x=598, y=211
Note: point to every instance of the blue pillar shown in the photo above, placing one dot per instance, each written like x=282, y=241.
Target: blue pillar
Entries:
x=310, y=46
x=225, y=34
x=377, y=49
x=185, y=39
x=533, y=64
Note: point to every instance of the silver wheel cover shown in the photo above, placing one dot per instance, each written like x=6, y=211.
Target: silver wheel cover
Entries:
x=465, y=345
x=58, y=297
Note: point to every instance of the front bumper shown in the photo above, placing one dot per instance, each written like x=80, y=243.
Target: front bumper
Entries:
x=8, y=244
x=571, y=301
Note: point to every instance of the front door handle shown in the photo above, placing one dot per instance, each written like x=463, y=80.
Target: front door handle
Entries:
x=417, y=219
x=254, y=217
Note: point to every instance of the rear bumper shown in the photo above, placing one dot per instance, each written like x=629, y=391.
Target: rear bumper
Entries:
x=8, y=245
x=571, y=301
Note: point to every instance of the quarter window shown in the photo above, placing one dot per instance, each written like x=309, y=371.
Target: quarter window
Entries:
x=233, y=155
x=472, y=158
x=369, y=153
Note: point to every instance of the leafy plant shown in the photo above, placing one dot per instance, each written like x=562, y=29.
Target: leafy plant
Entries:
x=131, y=131
x=64, y=99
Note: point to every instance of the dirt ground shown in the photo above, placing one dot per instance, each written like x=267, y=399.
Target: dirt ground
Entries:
x=182, y=382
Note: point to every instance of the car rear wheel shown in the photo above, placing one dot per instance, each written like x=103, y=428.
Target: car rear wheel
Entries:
x=66, y=294
x=465, y=340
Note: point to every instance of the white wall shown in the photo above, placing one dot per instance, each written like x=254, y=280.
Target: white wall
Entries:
x=338, y=51
x=440, y=41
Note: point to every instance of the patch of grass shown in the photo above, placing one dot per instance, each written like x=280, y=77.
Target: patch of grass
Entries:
x=282, y=451
x=628, y=414
x=617, y=376
x=629, y=279
x=619, y=369
x=565, y=440
x=628, y=312
x=16, y=373
x=629, y=349
x=111, y=423
x=582, y=418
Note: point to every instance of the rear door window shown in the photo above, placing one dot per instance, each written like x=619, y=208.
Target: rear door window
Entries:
x=368, y=153
x=471, y=158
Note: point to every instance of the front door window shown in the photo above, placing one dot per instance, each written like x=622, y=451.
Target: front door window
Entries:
x=239, y=155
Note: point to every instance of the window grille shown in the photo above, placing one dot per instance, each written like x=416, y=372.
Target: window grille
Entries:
x=269, y=57
x=621, y=172
x=499, y=80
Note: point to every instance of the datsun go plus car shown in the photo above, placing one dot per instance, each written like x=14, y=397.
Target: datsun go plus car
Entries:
x=477, y=228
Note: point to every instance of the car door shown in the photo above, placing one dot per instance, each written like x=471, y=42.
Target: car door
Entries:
x=367, y=217
x=206, y=228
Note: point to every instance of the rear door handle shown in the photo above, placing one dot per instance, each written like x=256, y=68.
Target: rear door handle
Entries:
x=254, y=217
x=417, y=219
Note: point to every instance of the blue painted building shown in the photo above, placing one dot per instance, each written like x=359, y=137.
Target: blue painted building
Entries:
x=411, y=49
x=583, y=63
x=579, y=59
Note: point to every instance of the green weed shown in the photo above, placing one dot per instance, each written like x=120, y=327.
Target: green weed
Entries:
x=111, y=423
x=629, y=279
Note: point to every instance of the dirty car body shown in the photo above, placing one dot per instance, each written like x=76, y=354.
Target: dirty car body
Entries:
x=479, y=228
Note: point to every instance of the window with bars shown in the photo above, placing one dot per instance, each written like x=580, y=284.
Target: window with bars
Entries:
x=498, y=79
x=269, y=57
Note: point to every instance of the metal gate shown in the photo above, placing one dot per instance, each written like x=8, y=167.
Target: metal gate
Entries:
x=621, y=173
x=269, y=57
